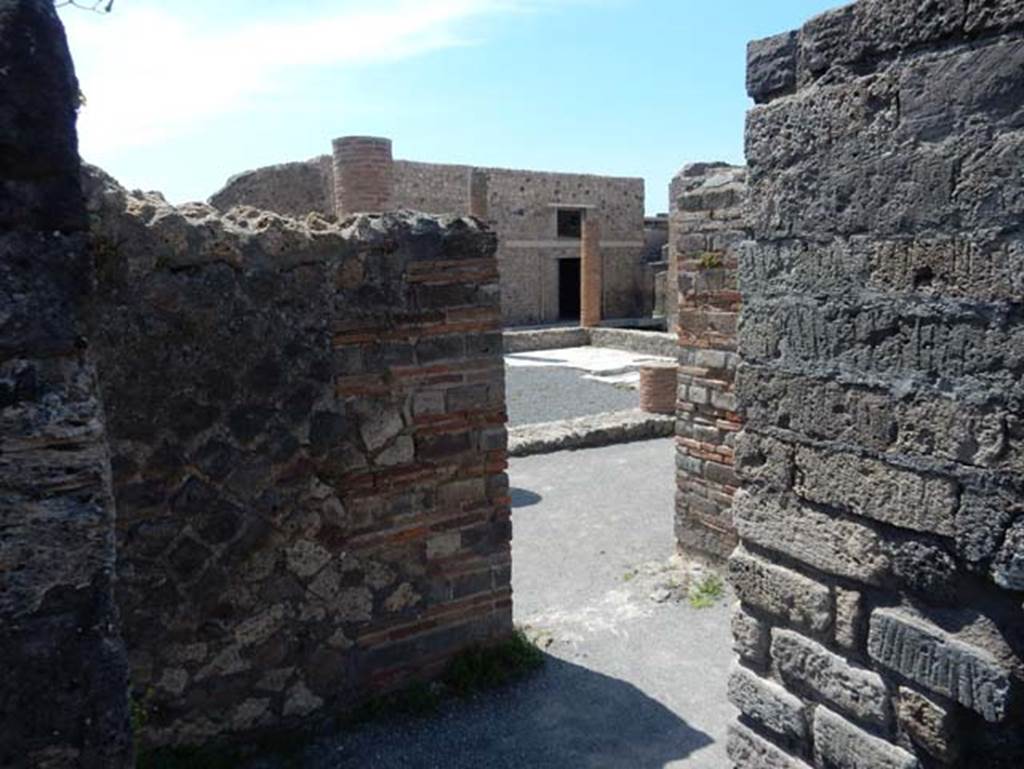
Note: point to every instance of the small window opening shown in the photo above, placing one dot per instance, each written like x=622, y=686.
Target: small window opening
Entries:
x=570, y=223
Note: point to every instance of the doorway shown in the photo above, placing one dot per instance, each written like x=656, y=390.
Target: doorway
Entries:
x=569, y=289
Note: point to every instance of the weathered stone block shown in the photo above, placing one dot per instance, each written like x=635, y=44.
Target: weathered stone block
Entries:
x=750, y=637
x=810, y=666
x=763, y=460
x=929, y=724
x=877, y=490
x=748, y=750
x=851, y=618
x=771, y=66
x=838, y=744
x=956, y=341
x=982, y=521
x=831, y=544
x=781, y=591
x=929, y=656
x=767, y=703
x=1008, y=567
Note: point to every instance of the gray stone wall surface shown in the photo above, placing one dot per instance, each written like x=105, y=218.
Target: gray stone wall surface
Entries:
x=881, y=387
x=63, y=669
x=306, y=423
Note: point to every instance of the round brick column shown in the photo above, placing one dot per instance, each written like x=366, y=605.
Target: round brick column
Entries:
x=363, y=175
x=591, y=271
x=658, y=384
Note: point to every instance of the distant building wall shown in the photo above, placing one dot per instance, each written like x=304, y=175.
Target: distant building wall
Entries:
x=522, y=210
x=434, y=188
x=651, y=272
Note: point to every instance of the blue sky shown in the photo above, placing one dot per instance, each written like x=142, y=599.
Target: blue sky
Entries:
x=181, y=94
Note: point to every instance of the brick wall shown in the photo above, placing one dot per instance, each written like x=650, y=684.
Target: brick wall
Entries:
x=881, y=570
x=307, y=429
x=63, y=686
x=707, y=228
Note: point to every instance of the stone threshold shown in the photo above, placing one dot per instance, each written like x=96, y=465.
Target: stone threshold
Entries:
x=589, y=432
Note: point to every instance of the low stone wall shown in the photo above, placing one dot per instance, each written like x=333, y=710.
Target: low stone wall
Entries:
x=646, y=342
x=307, y=429
x=545, y=339
x=63, y=685
x=708, y=227
x=587, y=432
x=881, y=571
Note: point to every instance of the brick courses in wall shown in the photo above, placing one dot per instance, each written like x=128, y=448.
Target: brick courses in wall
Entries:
x=520, y=206
x=881, y=387
x=706, y=228
x=306, y=423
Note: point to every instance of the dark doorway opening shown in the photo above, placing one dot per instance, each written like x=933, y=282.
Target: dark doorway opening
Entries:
x=569, y=289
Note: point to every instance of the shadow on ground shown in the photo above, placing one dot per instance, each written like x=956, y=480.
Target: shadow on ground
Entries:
x=562, y=716
x=523, y=497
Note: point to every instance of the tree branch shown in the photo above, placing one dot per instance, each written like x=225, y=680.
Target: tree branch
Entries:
x=97, y=6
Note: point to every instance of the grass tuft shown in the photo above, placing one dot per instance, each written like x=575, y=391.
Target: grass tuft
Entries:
x=705, y=594
x=481, y=668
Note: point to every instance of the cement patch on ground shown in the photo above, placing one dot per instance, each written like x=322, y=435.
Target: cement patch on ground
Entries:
x=603, y=364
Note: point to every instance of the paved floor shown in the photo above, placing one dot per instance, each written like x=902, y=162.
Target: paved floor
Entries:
x=546, y=385
x=534, y=395
x=635, y=677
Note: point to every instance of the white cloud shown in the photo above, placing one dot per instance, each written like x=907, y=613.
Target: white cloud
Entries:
x=151, y=73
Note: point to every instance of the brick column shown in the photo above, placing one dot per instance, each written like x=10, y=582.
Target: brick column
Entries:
x=658, y=388
x=478, y=187
x=591, y=269
x=363, y=175
x=708, y=226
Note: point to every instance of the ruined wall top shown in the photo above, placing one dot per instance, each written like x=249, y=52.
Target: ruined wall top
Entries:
x=312, y=186
x=294, y=189
x=857, y=39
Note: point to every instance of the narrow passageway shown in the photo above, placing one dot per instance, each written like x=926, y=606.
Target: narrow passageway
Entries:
x=634, y=675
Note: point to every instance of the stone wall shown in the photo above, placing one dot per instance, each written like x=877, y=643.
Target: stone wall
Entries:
x=521, y=209
x=307, y=429
x=64, y=687
x=291, y=189
x=707, y=227
x=881, y=570
x=435, y=188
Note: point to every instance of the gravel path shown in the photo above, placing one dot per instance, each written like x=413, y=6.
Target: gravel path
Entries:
x=546, y=393
x=634, y=677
